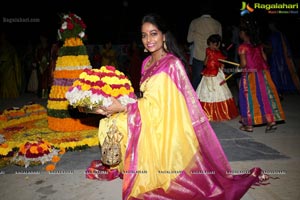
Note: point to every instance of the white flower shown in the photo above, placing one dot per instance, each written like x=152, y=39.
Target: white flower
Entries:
x=81, y=34
x=124, y=100
x=77, y=16
x=2, y=139
x=64, y=25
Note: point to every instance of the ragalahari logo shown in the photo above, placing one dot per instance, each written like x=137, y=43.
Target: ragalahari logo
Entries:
x=246, y=8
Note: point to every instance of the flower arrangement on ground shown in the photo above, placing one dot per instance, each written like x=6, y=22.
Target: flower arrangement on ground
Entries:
x=17, y=115
x=35, y=153
x=95, y=87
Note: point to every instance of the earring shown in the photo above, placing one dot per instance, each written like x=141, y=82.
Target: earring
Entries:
x=165, y=46
x=145, y=50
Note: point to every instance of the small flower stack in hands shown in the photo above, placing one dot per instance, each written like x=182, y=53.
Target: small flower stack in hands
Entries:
x=95, y=87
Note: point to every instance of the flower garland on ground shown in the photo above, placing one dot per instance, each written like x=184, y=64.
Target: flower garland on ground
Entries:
x=16, y=115
x=95, y=87
x=19, y=133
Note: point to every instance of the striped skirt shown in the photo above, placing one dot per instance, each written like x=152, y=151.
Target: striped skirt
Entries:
x=258, y=99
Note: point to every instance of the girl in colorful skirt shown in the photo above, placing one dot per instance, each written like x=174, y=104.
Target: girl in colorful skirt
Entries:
x=258, y=98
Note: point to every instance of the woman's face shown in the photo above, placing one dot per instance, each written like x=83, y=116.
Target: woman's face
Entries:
x=152, y=38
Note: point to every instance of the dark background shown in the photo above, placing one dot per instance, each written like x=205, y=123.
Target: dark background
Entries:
x=119, y=20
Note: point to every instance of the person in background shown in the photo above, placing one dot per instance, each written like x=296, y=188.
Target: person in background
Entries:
x=42, y=54
x=53, y=58
x=135, y=60
x=258, y=98
x=167, y=139
x=10, y=69
x=108, y=55
x=282, y=64
x=199, y=30
x=214, y=95
x=96, y=57
x=28, y=59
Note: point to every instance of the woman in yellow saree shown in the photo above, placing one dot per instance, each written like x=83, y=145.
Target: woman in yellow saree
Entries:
x=169, y=148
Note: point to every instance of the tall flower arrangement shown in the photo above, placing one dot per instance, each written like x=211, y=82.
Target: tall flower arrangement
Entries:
x=72, y=60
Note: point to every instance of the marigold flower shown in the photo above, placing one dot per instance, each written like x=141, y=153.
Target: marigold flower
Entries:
x=4, y=145
x=62, y=151
x=50, y=167
x=34, y=150
x=55, y=159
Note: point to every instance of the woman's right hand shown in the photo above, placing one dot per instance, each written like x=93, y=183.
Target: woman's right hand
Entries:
x=115, y=107
x=94, y=110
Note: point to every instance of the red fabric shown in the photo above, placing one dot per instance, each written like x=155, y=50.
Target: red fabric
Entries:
x=98, y=171
x=220, y=111
x=212, y=65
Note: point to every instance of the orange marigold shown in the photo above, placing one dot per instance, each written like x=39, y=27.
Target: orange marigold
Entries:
x=55, y=159
x=50, y=167
x=4, y=145
x=62, y=151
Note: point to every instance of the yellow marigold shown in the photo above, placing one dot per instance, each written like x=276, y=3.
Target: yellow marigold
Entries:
x=103, y=69
x=106, y=79
x=92, y=78
x=124, y=81
x=107, y=89
x=111, y=80
x=91, y=141
x=5, y=151
x=77, y=82
x=123, y=91
x=80, y=84
x=85, y=87
x=115, y=92
x=96, y=87
x=66, y=61
x=44, y=146
x=11, y=112
x=72, y=144
x=118, y=73
x=59, y=105
x=58, y=91
x=83, y=75
x=74, y=41
x=47, y=143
